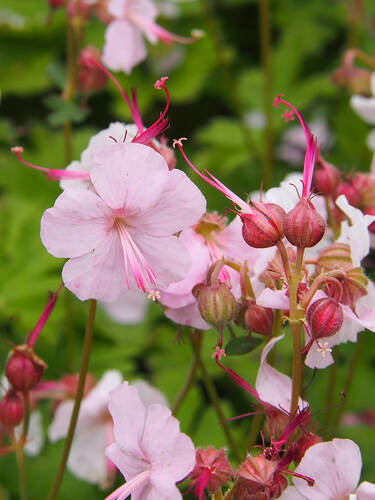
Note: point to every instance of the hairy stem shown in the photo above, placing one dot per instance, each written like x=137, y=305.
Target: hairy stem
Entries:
x=210, y=387
x=77, y=400
x=18, y=447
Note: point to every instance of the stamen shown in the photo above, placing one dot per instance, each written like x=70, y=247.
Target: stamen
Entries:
x=218, y=353
x=50, y=173
x=323, y=348
x=154, y=295
x=130, y=486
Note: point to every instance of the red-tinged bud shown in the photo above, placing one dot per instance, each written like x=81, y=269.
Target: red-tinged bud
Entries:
x=371, y=211
x=304, y=227
x=24, y=368
x=90, y=77
x=259, y=319
x=259, y=479
x=325, y=318
x=263, y=228
x=217, y=304
x=354, y=286
x=80, y=11
x=307, y=440
x=102, y=12
x=212, y=469
x=326, y=177
x=168, y=154
x=274, y=274
x=11, y=410
x=355, y=80
x=55, y=4
x=337, y=255
x=350, y=191
x=365, y=185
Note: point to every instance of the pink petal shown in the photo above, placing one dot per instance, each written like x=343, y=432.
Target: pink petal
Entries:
x=60, y=423
x=129, y=465
x=130, y=176
x=129, y=308
x=149, y=395
x=291, y=493
x=146, y=8
x=179, y=206
x=187, y=315
x=129, y=414
x=96, y=401
x=232, y=244
x=99, y=274
x=75, y=166
x=171, y=452
x=151, y=492
x=365, y=491
x=166, y=256
x=364, y=107
x=124, y=46
x=275, y=299
x=273, y=386
x=335, y=466
x=75, y=225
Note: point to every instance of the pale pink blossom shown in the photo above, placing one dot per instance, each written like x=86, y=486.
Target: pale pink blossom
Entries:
x=122, y=235
x=335, y=467
x=149, y=449
x=94, y=430
x=132, y=19
x=365, y=106
x=129, y=308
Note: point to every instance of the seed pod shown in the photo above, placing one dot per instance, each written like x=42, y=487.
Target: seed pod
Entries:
x=304, y=227
x=259, y=319
x=11, y=409
x=212, y=466
x=264, y=227
x=216, y=304
x=325, y=318
x=351, y=193
x=326, y=177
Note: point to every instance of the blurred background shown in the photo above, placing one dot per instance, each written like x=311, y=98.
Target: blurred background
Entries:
x=222, y=89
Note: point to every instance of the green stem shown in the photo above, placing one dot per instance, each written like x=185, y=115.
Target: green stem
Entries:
x=21, y=465
x=26, y=420
x=210, y=387
x=254, y=430
x=348, y=383
x=77, y=400
x=218, y=495
x=265, y=39
x=329, y=399
x=190, y=377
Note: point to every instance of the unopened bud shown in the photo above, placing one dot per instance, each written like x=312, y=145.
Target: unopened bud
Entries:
x=304, y=227
x=263, y=228
x=326, y=177
x=259, y=319
x=79, y=10
x=55, y=4
x=354, y=80
x=371, y=211
x=365, y=185
x=24, y=368
x=353, y=285
x=337, y=255
x=217, y=304
x=214, y=464
x=11, y=410
x=350, y=192
x=325, y=318
x=90, y=77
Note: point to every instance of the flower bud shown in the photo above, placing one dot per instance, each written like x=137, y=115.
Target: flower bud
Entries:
x=371, y=211
x=354, y=286
x=326, y=177
x=365, y=185
x=325, y=318
x=355, y=80
x=55, y=4
x=11, y=410
x=264, y=227
x=259, y=319
x=304, y=227
x=350, y=191
x=212, y=467
x=307, y=440
x=337, y=255
x=216, y=304
x=90, y=77
x=24, y=369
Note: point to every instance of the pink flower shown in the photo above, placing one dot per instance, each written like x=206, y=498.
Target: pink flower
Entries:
x=124, y=45
x=336, y=468
x=150, y=451
x=94, y=431
x=122, y=235
x=129, y=308
x=365, y=106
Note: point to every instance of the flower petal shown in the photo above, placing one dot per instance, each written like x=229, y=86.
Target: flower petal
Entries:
x=99, y=274
x=124, y=47
x=149, y=395
x=171, y=452
x=129, y=308
x=364, y=107
x=129, y=414
x=187, y=315
x=76, y=224
x=130, y=176
x=365, y=491
x=129, y=465
x=335, y=466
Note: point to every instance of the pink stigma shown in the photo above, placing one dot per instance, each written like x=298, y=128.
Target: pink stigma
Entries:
x=288, y=116
x=218, y=353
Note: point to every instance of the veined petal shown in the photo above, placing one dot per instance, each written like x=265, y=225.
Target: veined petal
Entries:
x=124, y=47
x=129, y=465
x=76, y=224
x=130, y=177
x=99, y=274
x=187, y=315
x=365, y=491
x=129, y=308
x=179, y=206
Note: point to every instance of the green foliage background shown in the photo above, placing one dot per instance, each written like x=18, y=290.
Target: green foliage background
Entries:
x=218, y=81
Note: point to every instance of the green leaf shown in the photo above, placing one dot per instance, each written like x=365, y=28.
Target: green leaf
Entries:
x=64, y=111
x=242, y=345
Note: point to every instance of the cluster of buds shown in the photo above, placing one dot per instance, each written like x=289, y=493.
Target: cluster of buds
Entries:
x=354, y=80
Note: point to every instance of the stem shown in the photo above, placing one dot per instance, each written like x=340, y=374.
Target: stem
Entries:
x=21, y=466
x=230, y=87
x=77, y=402
x=69, y=331
x=265, y=39
x=329, y=398
x=26, y=420
x=218, y=495
x=284, y=257
x=210, y=387
x=190, y=377
x=348, y=383
x=255, y=426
